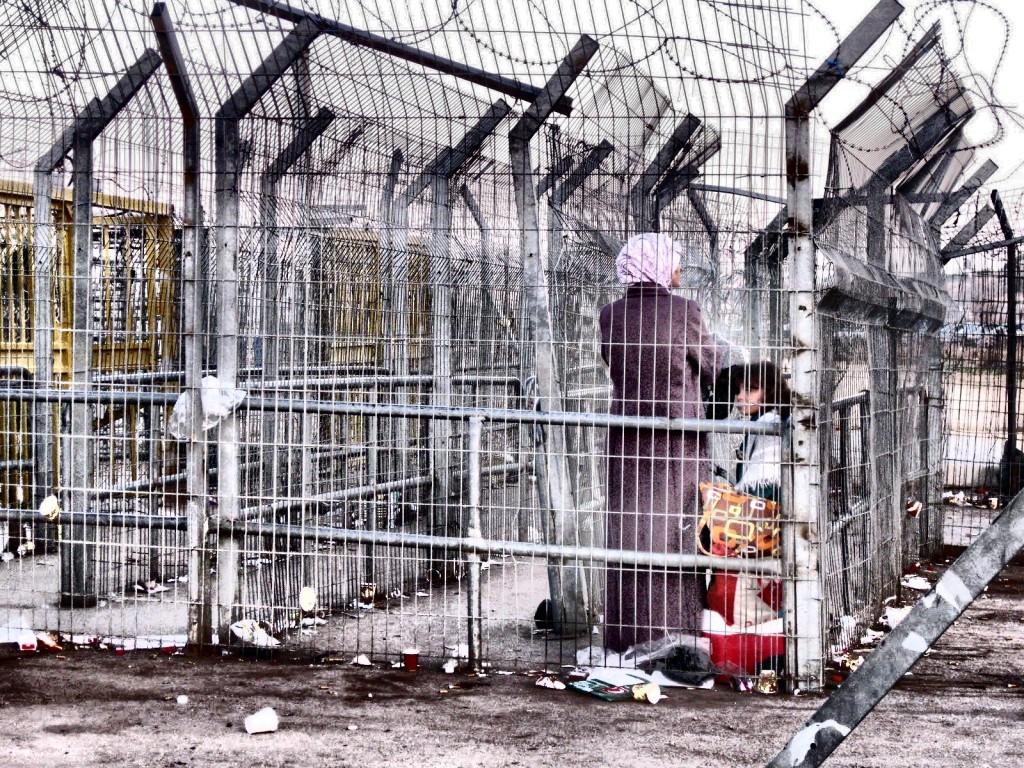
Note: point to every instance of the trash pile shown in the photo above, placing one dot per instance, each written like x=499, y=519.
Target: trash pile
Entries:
x=845, y=660
x=982, y=498
x=644, y=671
x=18, y=631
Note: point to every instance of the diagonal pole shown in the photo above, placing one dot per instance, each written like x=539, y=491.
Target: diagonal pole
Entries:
x=924, y=625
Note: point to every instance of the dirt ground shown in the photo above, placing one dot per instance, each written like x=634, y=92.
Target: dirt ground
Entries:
x=963, y=705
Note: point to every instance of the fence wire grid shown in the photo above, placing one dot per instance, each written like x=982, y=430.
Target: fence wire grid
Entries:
x=301, y=327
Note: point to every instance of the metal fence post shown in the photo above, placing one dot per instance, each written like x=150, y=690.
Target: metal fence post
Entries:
x=1010, y=465
x=568, y=584
x=227, y=153
x=76, y=576
x=200, y=629
x=306, y=133
x=44, y=257
x=77, y=550
x=489, y=310
x=437, y=175
x=474, y=531
x=803, y=616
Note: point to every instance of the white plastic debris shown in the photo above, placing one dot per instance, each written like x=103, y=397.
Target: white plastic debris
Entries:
x=916, y=582
x=550, y=682
x=450, y=666
x=249, y=631
x=182, y=700
x=151, y=587
x=24, y=549
x=217, y=402
x=50, y=508
x=596, y=656
x=313, y=621
x=459, y=651
x=307, y=599
x=361, y=660
x=263, y=721
x=893, y=616
x=871, y=636
x=6, y=556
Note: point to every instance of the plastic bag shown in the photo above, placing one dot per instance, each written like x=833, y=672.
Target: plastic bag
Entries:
x=663, y=648
x=217, y=402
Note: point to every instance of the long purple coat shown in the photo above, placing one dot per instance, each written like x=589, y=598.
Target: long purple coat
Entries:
x=659, y=352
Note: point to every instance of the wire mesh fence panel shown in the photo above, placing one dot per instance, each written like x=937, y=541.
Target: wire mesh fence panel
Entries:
x=982, y=357
x=323, y=340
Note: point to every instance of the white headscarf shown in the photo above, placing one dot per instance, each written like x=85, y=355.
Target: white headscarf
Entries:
x=648, y=258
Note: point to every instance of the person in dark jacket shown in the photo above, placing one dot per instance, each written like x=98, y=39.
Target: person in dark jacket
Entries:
x=659, y=354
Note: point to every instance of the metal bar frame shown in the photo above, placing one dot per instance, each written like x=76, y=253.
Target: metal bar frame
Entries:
x=558, y=169
x=89, y=122
x=562, y=192
x=77, y=138
x=308, y=131
x=438, y=175
x=299, y=405
x=962, y=195
x=1010, y=448
x=464, y=544
x=646, y=210
x=957, y=244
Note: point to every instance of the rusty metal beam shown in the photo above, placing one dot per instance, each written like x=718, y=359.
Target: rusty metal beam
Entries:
x=491, y=80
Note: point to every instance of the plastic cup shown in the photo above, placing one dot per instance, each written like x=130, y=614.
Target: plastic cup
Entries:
x=411, y=659
x=367, y=591
x=650, y=692
x=263, y=721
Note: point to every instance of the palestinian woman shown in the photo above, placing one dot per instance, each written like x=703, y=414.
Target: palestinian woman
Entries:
x=659, y=354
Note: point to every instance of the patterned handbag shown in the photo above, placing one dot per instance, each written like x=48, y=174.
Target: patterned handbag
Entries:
x=737, y=524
